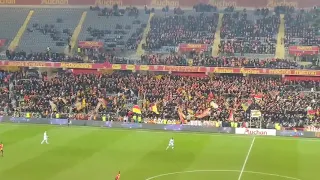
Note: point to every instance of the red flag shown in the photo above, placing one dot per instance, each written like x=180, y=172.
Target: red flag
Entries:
x=181, y=116
x=311, y=112
x=258, y=96
x=204, y=113
x=231, y=116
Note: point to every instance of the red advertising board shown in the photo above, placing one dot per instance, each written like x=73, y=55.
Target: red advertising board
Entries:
x=303, y=50
x=170, y=3
x=191, y=47
x=201, y=69
x=90, y=44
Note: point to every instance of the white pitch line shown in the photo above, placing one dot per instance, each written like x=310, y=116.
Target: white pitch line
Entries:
x=247, y=157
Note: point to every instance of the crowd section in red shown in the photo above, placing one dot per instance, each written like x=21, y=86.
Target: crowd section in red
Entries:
x=224, y=98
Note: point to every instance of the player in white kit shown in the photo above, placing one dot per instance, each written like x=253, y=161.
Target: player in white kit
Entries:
x=45, y=138
x=171, y=144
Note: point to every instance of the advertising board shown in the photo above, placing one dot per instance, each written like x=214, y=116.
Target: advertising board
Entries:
x=291, y=133
x=256, y=132
x=193, y=47
x=303, y=50
x=90, y=44
x=317, y=134
x=200, y=69
x=170, y=3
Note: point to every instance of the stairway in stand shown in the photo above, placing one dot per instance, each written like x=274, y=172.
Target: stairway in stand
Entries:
x=140, y=50
x=217, y=39
x=280, y=50
x=76, y=32
x=16, y=40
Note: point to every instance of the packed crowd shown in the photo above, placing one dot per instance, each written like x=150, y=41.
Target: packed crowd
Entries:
x=158, y=59
x=286, y=102
x=242, y=32
x=42, y=56
x=209, y=61
x=172, y=30
x=302, y=27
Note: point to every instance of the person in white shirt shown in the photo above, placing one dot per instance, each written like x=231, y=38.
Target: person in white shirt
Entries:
x=171, y=144
x=45, y=138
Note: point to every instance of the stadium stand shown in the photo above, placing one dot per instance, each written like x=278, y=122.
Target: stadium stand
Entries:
x=302, y=27
x=117, y=29
x=248, y=39
x=170, y=29
x=11, y=20
x=50, y=28
x=249, y=32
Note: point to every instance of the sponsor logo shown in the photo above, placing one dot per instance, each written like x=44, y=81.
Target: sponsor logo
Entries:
x=305, y=48
x=249, y=71
x=59, y=121
x=144, y=67
x=305, y=73
x=116, y=66
x=275, y=3
x=76, y=65
x=18, y=119
x=108, y=3
x=108, y=124
x=27, y=64
x=223, y=70
x=173, y=127
x=279, y=71
x=256, y=132
x=163, y=3
x=317, y=134
x=181, y=69
x=131, y=67
x=131, y=125
x=291, y=133
x=225, y=130
x=7, y=2
x=54, y=2
x=222, y=3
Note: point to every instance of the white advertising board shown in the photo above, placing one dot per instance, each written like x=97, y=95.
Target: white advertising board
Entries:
x=256, y=132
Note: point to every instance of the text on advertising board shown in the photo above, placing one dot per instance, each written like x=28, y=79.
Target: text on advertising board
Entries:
x=170, y=3
x=54, y=2
x=256, y=132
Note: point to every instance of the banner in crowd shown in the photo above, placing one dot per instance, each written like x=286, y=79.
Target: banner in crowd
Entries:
x=256, y=132
x=255, y=113
x=107, y=66
x=170, y=3
x=90, y=44
x=193, y=47
x=3, y=41
x=303, y=50
x=166, y=49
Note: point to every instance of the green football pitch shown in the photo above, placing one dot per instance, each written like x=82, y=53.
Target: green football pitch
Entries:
x=88, y=153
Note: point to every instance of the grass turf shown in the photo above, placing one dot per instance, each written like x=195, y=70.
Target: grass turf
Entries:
x=96, y=154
